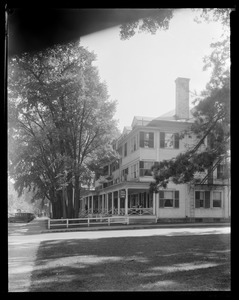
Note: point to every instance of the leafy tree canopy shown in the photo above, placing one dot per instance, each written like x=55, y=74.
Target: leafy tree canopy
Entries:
x=60, y=115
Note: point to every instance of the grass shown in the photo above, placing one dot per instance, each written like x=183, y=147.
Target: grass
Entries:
x=154, y=263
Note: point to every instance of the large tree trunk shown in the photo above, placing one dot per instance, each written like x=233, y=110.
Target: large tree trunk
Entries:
x=63, y=199
x=70, y=212
x=77, y=196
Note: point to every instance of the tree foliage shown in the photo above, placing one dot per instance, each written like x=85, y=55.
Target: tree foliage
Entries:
x=158, y=20
x=60, y=115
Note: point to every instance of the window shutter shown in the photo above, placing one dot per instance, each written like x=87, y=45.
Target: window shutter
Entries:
x=176, y=140
x=207, y=199
x=161, y=202
x=162, y=139
x=141, y=139
x=151, y=140
x=161, y=194
x=197, y=203
x=125, y=149
x=141, y=164
x=177, y=199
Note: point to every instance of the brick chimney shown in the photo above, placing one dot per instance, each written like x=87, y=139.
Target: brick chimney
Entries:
x=182, y=98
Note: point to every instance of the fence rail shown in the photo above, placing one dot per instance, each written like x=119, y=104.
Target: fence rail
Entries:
x=67, y=223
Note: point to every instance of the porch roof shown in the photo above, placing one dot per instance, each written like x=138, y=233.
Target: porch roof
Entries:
x=123, y=185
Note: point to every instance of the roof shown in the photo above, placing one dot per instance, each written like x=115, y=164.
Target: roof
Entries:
x=141, y=120
x=170, y=116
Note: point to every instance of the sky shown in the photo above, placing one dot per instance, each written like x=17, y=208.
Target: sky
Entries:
x=140, y=72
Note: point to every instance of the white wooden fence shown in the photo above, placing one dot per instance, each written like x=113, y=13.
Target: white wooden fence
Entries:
x=69, y=223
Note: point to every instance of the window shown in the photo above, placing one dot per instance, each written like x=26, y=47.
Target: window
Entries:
x=217, y=199
x=146, y=139
x=133, y=144
x=106, y=170
x=202, y=199
x=169, y=140
x=134, y=171
x=145, y=168
x=169, y=199
x=220, y=171
x=124, y=174
x=115, y=165
x=125, y=149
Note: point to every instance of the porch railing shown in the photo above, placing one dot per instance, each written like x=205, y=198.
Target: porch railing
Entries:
x=97, y=213
x=140, y=211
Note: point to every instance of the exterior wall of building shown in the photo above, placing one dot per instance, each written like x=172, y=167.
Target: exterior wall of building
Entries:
x=174, y=213
x=215, y=212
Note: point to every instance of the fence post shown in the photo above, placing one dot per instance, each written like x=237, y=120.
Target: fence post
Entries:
x=109, y=221
x=67, y=223
x=127, y=220
x=49, y=225
x=88, y=222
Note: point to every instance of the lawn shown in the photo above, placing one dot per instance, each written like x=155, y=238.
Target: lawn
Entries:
x=150, y=263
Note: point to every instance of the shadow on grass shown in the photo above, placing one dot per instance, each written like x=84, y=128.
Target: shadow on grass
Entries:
x=162, y=263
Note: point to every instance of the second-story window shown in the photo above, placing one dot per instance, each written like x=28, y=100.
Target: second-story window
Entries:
x=106, y=171
x=169, y=140
x=124, y=174
x=221, y=171
x=134, y=170
x=145, y=168
x=146, y=139
x=115, y=165
x=134, y=144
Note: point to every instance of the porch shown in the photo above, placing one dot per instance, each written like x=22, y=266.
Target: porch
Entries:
x=121, y=200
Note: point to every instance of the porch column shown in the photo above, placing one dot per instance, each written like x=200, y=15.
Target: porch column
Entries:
x=88, y=202
x=118, y=202
x=112, y=200
x=156, y=204
x=153, y=203
x=107, y=200
x=126, y=201
x=92, y=199
x=103, y=202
